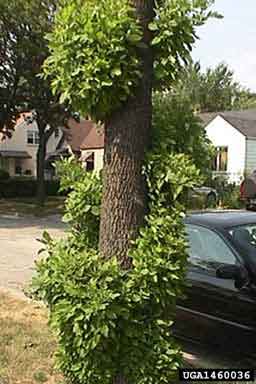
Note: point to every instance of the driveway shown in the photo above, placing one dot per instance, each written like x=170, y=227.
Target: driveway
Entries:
x=19, y=247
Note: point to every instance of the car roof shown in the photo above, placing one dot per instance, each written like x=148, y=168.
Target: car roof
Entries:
x=221, y=219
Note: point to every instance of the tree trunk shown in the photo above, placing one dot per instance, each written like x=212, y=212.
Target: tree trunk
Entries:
x=127, y=138
x=41, y=190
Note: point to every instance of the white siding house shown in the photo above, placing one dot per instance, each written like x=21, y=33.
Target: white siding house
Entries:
x=250, y=160
x=233, y=134
x=18, y=153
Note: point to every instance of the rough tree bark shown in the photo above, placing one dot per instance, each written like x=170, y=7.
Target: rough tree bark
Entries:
x=127, y=138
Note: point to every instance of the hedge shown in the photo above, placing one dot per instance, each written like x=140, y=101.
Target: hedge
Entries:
x=4, y=175
x=26, y=188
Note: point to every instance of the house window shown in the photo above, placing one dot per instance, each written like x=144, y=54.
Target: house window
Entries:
x=220, y=163
x=90, y=163
x=32, y=137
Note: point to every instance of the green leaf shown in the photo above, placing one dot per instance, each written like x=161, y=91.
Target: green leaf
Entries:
x=116, y=72
x=156, y=40
x=153, y=27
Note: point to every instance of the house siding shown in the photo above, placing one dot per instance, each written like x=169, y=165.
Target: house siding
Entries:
x=98, y=157
x=250, y=163
x=18, y=142
x=223, y=134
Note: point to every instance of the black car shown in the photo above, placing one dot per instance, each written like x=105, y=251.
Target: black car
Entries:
x=220, y=307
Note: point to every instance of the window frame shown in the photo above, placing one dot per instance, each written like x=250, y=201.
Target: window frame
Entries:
x=34, y=134
x=90, y=163
x=217, y=162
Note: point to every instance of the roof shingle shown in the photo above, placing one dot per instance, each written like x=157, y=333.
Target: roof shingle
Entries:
x=243, y=121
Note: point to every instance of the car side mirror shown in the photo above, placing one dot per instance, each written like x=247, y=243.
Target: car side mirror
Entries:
x=233, y=272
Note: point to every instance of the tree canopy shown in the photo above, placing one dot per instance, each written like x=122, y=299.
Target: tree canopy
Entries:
x=23, y=50
x=175, y=121
x=94, y=50
x=212, y=90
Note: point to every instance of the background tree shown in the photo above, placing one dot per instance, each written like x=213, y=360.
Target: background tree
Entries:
x=174, y=118
x=23, y=49
x=213, y=90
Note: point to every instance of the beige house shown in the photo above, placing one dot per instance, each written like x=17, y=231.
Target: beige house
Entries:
x=86, y=141
x=18, y=153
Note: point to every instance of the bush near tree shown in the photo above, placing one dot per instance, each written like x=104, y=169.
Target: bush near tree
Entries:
x=112, y=296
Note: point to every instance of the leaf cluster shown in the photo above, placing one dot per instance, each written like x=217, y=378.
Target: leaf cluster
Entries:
x=177, y=127
x=83, y=203
x=174, y=29
x=94, y=61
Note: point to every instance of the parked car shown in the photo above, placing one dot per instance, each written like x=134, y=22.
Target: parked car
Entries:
x=208, y=194
x=220, y=307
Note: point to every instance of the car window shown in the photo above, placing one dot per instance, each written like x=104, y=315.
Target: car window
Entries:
x=245, y=237
x=207, y=250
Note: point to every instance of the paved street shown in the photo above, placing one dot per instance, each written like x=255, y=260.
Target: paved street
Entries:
x=19, y=247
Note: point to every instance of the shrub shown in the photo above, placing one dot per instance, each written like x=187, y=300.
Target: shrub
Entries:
x=52, y=187
x=26, y=187
x=4, y=175
x=228, y=193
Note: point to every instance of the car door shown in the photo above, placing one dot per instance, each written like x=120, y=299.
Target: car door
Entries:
x=215, y=311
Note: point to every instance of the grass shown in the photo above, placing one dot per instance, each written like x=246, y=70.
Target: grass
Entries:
x=28, y=206
x=26, y=344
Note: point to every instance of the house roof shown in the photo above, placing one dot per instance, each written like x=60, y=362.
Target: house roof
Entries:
x=84, y=135
x=243, y=121
x=15, y=154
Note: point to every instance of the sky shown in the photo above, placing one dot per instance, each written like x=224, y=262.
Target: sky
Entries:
x=231, y=40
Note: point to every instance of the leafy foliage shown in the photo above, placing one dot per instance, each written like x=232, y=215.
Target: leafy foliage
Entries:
x=109, y=320
x=213, y=90
x=95, y=50
x=94, y=60
x=174, y=31
x=23, y=24
x=177, y=127
x=83, y=203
